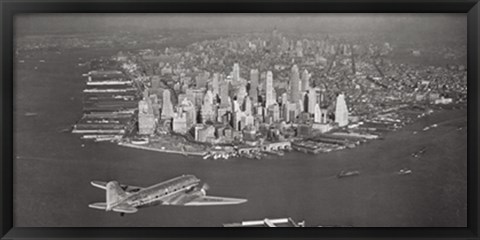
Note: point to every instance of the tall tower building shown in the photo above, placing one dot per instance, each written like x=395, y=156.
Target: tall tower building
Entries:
x=312, y=101
x=236, y=72
x=269, y=90
x=294, y=85
x=241, y=92
x=224, y=94
x=305, y=80
x=167, y=107
x=253, y=93
x=318, y=114
x=247, y=106
x=207, y=110
x=215, y=84
x=284, y=98
x=146, y=118
x=189, y=108
x=341, y=111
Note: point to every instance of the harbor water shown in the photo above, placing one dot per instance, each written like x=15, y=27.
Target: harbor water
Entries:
x=53, y=169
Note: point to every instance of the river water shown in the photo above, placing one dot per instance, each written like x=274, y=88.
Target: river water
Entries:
x=52, y=170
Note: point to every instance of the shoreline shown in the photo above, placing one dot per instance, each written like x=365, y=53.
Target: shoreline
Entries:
x=123, y=144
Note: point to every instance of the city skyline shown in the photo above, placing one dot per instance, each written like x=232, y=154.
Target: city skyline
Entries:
x=320, y=124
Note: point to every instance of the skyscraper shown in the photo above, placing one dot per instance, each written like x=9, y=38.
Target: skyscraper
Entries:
x=312, y=101
x=305, y=80
x=294, y=85
x=215, y=84
x=188, y=107
x=146, y=118
x=207, y=111
x=341, y=111
x=247, y=106
x=224, y=90
x=167, y=107
x=236, y=72
x=241, y=92
x=269, y=90
x=318, y=114
x=253, y=93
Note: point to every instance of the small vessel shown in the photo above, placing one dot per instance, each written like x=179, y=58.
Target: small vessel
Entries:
x=139, y=141
x=30, y=114
x=64, y=130
x=404, y=171
x=419, y=152
x=348, y=173
x=207, y=156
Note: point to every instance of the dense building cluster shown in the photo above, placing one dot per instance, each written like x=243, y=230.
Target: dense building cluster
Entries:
x=258, y=89
x=229, y=107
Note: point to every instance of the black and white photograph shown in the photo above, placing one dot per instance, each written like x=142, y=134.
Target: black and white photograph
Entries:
x=240, y=120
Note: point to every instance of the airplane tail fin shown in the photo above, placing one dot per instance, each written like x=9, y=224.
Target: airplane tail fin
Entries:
x=115, y=194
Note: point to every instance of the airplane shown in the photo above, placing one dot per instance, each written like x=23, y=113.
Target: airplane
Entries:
x=180, y=191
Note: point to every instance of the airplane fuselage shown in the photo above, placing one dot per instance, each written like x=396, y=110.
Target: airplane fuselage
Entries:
x=158, y=193
x=179, y=191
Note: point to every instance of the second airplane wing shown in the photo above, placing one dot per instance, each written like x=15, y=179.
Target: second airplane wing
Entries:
x=212, y=201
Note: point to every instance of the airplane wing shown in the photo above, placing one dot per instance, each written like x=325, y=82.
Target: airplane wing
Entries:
x=125, y=209
x=126, y=188
x=212, y=201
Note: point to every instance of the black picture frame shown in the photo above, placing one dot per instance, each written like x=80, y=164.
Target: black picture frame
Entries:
x=9, y=8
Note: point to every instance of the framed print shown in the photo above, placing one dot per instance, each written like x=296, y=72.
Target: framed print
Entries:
x=210, y=119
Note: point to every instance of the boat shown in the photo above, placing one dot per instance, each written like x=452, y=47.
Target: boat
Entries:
x=419, y=152
x=343, y=174
x=30, y=114
x=278, y=222
x=139, y=141
x=404, y=171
